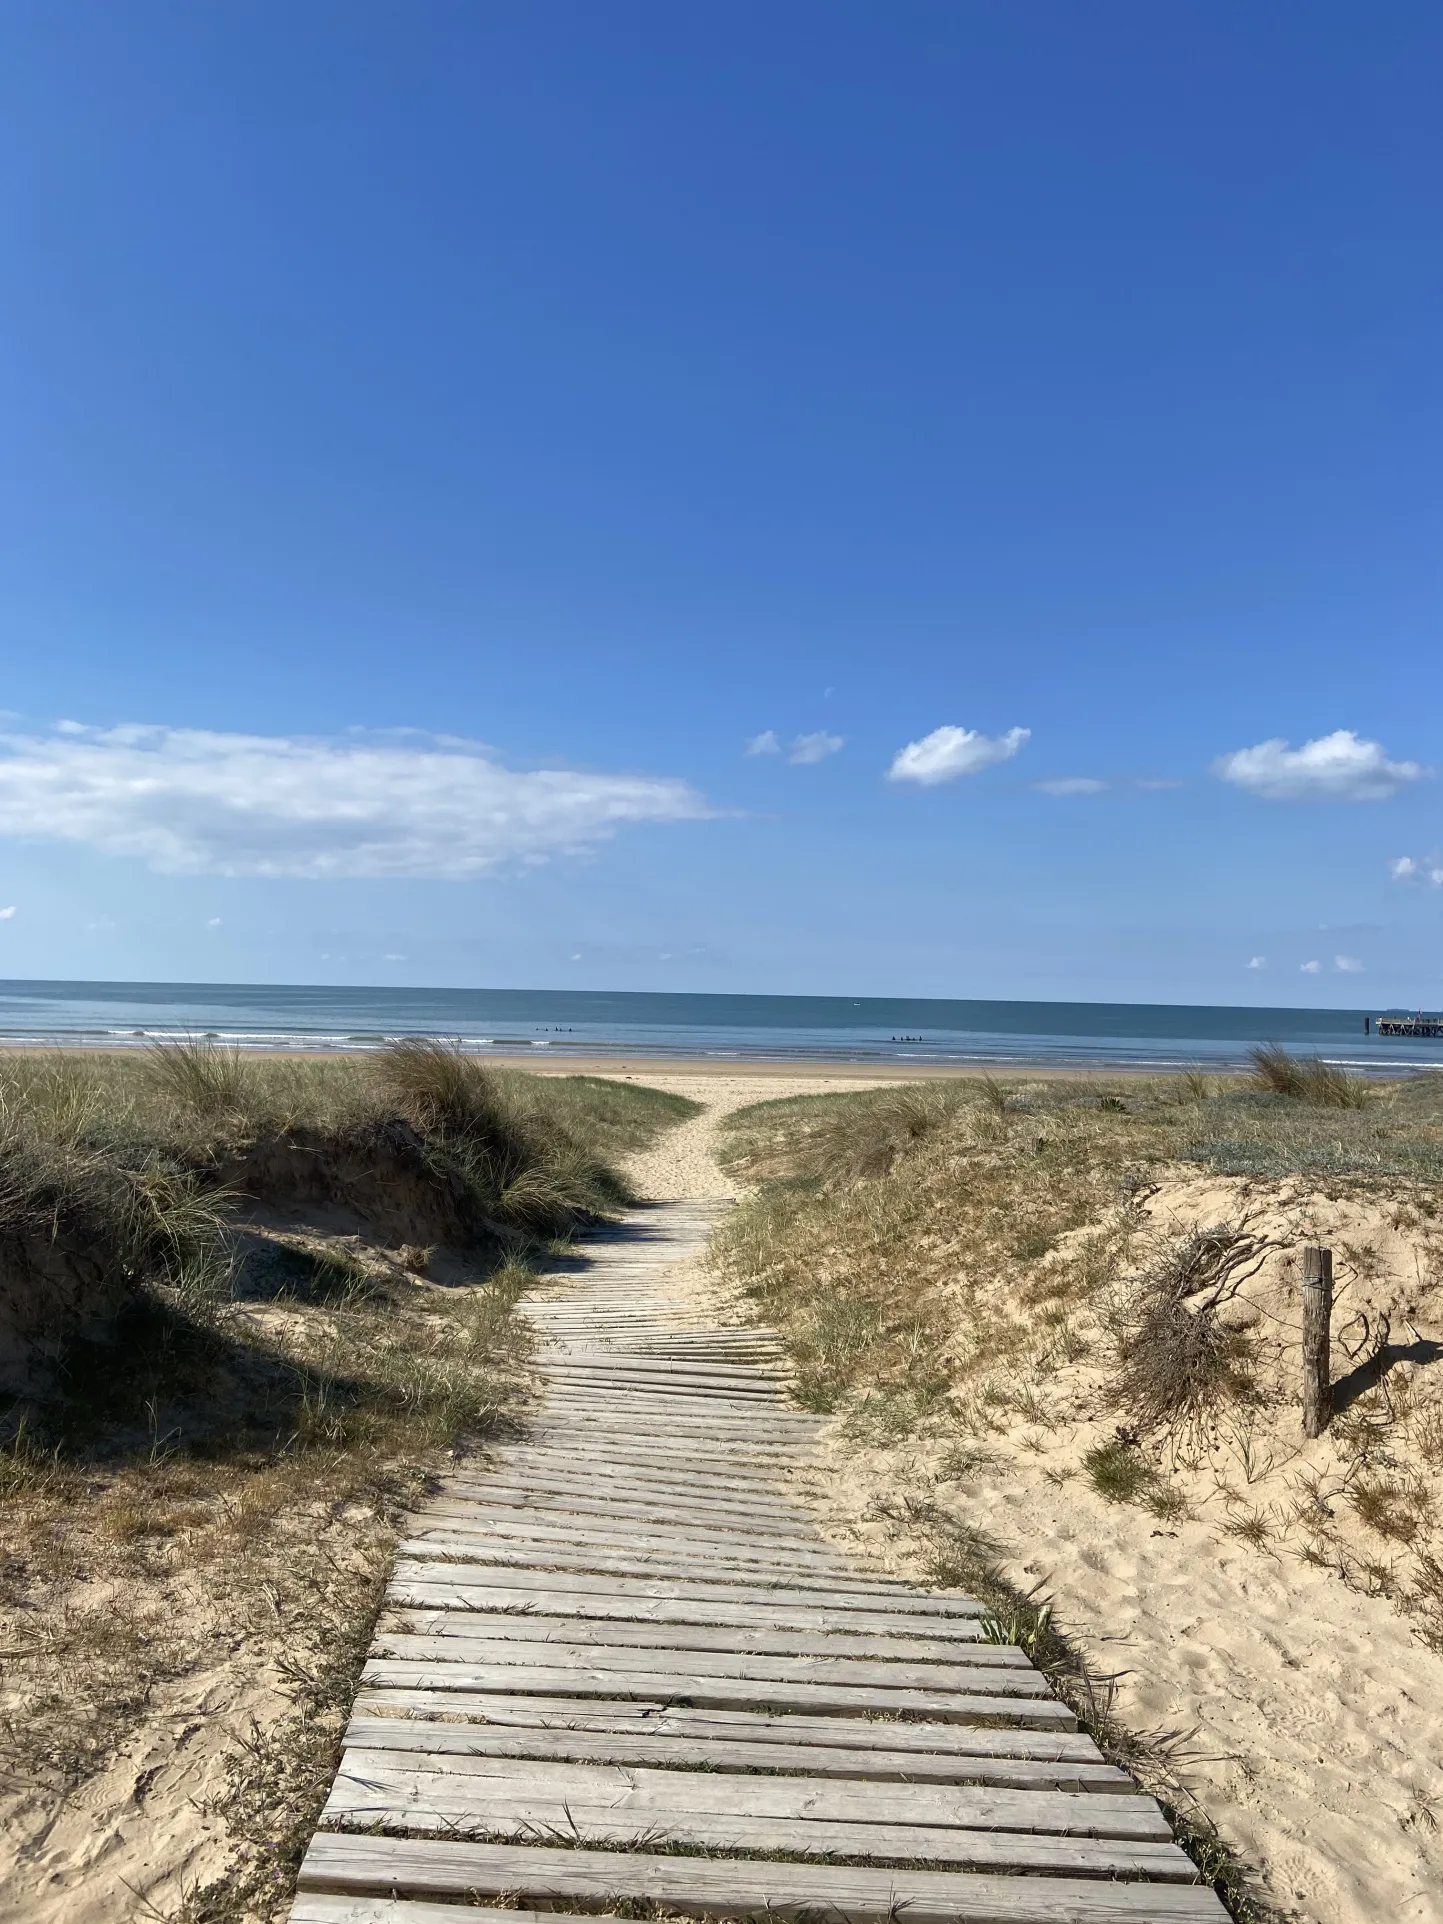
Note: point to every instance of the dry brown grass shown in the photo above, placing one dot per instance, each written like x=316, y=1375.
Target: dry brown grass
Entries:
x=982, y=1263
x=979, y=1229
x=1177, y=1360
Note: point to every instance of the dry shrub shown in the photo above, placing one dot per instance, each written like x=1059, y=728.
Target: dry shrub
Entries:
x=1177, y=1360
x=1176, y=1364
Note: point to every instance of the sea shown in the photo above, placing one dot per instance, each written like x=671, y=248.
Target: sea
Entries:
x=526, y=1023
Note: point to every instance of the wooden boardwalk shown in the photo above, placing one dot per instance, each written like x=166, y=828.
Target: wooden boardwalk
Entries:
x=621, y=1669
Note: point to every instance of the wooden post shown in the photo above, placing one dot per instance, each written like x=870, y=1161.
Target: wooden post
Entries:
x=1317, y=1335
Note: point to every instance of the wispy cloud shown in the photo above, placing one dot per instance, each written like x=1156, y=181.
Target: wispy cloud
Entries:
x=1347, y=965
x=198, y=802
x=1311, y=968
x=764, y=744
x=8, y=915
x=1256, y=962
x=1073, y=785
x=949, y=752
x=1404, y=868
x=1340, y=767
x=806, y=749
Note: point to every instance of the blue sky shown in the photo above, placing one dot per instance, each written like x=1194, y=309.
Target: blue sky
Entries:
x=440, y=438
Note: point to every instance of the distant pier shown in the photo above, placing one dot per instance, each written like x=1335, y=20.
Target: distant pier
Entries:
x=1420, y=1026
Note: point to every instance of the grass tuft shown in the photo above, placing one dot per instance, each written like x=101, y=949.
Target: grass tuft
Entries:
x=200, y=1074
x=1310, y=1080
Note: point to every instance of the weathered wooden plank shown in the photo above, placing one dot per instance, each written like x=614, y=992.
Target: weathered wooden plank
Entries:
x=430, y=1587
x=620, y=1391
x=596, y=1411
x=669, y=1428
x=687, y=1686
x=462, y=1616
x=583, y=1425
x=659, y=1747
x=1002, y=1678
x=619, y=1384
x=707, y=1723
x=764, y=1468
x=733, y=1551
x=604, y=1508
x=570, y=1364
x=521, y=1482
x=585, y=1520
x=500, y=1552
x=508, y=1488
x=671, y=1567
x=649, y=1527
x=700, y=1557
x=605, y=1504
x=395, y=1798
x=805, y=1799
x=640, y=1464
x=683, y=1502
x=757, y=1639
x=581, y=1357
x=422, y=1868
x=321, y=1909
x=582, y=1454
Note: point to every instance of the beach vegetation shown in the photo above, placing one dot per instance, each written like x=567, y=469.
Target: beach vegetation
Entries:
x=1121, y=1305
x=1116, y=1470
x=247, y=1306
x=1307, y=1079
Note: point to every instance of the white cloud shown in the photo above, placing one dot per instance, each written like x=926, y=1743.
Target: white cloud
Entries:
x=8, y=915
x=393, y=958
x=1334, y=768
x=764, y=744
x=1073, y=785
x=213, y=922
x=1405, y=869
x=949, y=752
x=806, y=749
x=1347, y=965
x=1256, y=962
x=197, y=802
x=1311, y=968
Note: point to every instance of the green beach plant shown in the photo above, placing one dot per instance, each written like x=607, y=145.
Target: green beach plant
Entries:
x=1310, y=1079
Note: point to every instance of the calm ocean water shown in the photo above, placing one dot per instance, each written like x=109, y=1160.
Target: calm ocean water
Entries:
x=522, y=1022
